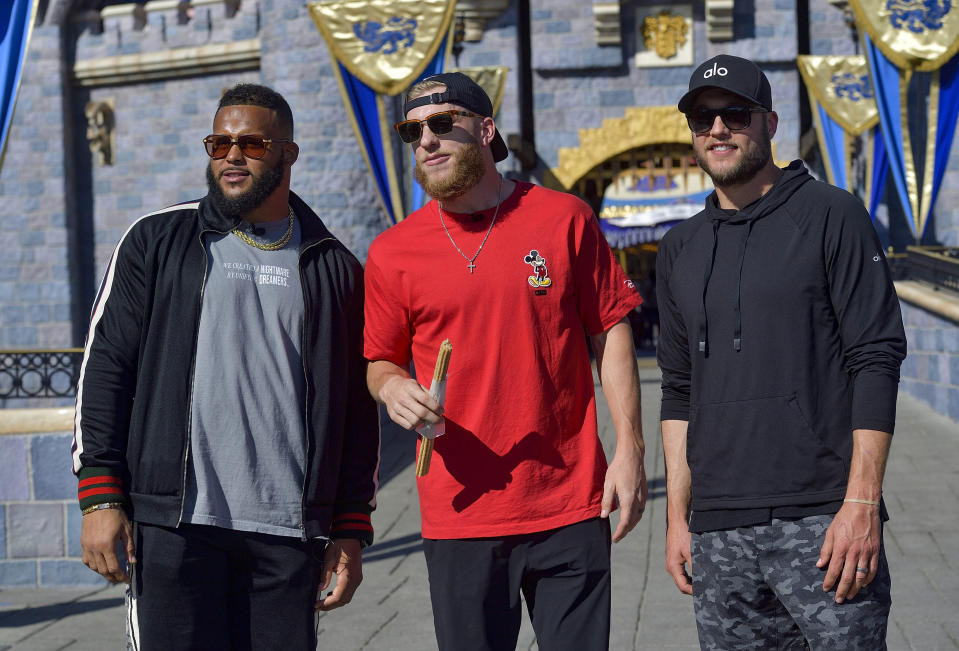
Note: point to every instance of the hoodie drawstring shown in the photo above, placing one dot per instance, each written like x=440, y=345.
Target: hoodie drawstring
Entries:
x=703, y=318
x=703, y=328
x=738, y=334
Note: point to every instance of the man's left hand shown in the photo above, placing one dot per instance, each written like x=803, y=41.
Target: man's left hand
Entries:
x=851, y=545
x=343, y=557
x=626, y=482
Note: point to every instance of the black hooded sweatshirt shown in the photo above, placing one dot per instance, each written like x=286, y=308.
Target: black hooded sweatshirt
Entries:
x=780, y=334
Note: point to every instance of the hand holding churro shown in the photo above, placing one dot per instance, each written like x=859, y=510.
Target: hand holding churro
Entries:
x=438, y=392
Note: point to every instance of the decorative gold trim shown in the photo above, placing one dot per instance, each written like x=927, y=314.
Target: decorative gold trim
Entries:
x=912, y=180
x=640, y=127
x=928, y=174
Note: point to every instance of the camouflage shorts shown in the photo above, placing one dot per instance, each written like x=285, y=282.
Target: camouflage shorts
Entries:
x=759, y=588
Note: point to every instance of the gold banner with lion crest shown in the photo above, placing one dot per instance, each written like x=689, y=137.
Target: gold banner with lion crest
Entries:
x=841, y=84
x=386, y=44
x=914, y=34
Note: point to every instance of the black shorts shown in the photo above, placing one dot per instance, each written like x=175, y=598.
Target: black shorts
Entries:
x=202, y=587
x=563, y=574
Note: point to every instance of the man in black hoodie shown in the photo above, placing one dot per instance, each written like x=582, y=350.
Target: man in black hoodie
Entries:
x=780, y=345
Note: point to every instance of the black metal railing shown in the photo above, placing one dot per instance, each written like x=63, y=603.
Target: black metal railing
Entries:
x=39, y=373
x=938, y=265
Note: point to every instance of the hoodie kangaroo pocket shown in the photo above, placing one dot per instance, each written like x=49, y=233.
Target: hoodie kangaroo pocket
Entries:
x=748, y=449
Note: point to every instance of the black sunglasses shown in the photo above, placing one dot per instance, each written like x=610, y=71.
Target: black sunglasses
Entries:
x=218, y=145
x=736, y=118
x=439, y=123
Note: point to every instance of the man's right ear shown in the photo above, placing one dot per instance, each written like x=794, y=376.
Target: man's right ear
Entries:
x=291, y=151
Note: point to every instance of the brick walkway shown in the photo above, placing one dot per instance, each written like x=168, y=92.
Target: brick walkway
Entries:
x=391, y=610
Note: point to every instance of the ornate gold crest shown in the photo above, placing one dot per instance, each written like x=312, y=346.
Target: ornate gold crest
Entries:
x=386, y=44
x=664, y=33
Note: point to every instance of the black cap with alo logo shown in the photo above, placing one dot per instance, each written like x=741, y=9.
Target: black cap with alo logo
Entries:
x=735, y=74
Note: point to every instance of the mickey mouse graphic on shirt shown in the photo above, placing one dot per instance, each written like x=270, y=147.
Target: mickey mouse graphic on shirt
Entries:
x=540, y=277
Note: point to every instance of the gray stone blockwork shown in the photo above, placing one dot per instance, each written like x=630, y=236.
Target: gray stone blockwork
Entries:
x=34, y=273
x=930, y=371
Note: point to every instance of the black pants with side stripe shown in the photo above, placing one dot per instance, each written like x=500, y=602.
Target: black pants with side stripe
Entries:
x=202, y=587
x=563, y=574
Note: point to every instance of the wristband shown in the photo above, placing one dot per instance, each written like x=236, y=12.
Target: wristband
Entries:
x=100, y=507
x=855, y=500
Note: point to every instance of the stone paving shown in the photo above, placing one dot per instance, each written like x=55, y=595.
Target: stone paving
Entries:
x=391, y=610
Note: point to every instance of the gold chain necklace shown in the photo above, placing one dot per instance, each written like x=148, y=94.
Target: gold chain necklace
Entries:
x=269, y=246
x=469, y=260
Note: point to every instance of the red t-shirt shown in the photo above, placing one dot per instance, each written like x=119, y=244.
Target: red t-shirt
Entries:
x=521, y=452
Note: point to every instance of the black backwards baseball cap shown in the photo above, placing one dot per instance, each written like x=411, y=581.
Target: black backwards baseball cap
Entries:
x=728, y=72
x=462, y=91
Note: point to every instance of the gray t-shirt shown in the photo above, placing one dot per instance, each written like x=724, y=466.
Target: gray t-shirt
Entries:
x=248, y=439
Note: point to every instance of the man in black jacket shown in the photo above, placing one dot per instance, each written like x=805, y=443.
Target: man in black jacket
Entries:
x=222, y=406
x=780, y=345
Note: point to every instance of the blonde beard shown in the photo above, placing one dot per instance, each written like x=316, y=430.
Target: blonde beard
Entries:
x=467, y=171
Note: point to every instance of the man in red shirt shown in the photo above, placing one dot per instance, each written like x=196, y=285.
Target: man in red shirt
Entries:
x=518, y=495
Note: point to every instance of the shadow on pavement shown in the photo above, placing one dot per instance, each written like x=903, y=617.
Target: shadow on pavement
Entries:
x=37, y=614
x=394, y=547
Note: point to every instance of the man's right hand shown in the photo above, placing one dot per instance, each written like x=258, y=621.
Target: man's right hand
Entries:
x=678, y=555
x=408, y=403
x=100, y=532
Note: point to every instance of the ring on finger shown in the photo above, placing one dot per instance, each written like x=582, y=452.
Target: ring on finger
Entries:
x=862, y=570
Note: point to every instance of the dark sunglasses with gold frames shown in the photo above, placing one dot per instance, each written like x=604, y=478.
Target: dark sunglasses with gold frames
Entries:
x=439, y=123
x=219, y=145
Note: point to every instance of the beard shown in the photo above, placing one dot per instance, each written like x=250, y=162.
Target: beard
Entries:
x=263, y=186
x=755, y=156
x=467, y=171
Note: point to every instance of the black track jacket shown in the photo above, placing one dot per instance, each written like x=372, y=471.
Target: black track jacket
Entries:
x=132, y=428
x=780, y=334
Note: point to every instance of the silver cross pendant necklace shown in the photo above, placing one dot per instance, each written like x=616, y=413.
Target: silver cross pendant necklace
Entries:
x=468, y=259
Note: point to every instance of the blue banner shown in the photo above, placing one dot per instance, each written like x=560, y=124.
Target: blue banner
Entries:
x=16, y=22
x=880, y=172
x=948, y=113
x=889, y=84
x=834, y=138
x=375, y=132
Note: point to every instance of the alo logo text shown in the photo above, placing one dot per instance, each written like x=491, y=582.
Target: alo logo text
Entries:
x=715, y=70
